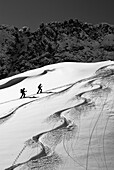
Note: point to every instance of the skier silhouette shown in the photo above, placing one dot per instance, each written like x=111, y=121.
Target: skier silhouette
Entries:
x=22, y=91
x=39, y=88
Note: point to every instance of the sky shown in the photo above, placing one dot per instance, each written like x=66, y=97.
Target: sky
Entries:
x=32, y=13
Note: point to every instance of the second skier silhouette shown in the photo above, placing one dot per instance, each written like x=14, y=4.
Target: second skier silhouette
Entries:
x=39, y=88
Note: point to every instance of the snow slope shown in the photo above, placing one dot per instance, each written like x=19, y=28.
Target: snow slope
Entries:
x=68, y=126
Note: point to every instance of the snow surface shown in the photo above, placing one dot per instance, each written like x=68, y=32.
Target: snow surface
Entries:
x=68, y=126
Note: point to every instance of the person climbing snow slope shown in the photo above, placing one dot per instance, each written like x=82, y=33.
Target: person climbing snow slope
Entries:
x=39, y=88
x=22, y=91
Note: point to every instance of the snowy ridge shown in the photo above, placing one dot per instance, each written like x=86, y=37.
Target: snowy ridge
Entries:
x=69, y=127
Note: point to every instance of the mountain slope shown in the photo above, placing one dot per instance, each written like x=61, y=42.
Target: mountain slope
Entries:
x=68, y=126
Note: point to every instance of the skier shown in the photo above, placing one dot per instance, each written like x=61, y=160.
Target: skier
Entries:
x=39, y=88
x=22, y=91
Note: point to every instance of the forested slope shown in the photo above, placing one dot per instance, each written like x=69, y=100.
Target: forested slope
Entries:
x=22, y=49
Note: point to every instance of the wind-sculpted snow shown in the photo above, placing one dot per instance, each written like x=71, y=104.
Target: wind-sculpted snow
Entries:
x=12, y=82
x=71, y=128
x=17, y=80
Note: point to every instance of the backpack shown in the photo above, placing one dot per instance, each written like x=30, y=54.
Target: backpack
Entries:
x=21, y=90
x=40, y=86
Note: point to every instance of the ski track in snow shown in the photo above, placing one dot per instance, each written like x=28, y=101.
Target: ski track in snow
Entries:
x=87, y=110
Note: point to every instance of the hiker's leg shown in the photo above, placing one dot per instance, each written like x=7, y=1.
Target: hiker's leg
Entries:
x=38, y=91
x=21, y=96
